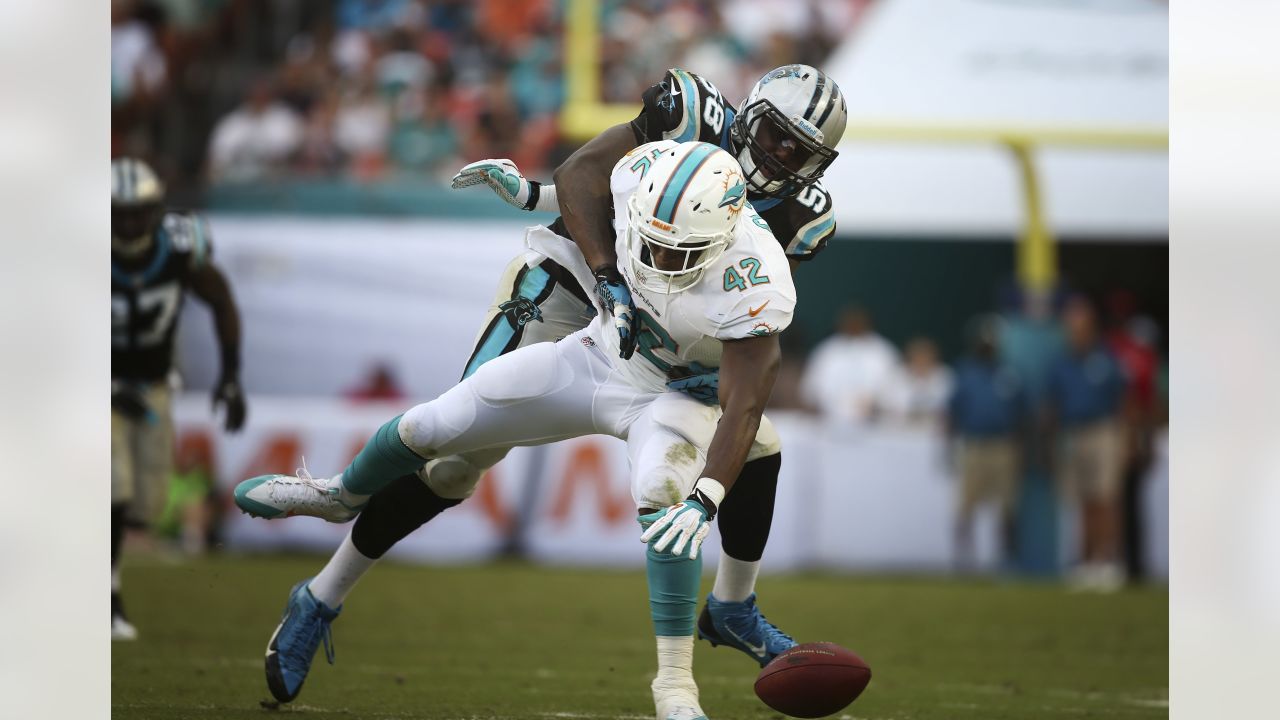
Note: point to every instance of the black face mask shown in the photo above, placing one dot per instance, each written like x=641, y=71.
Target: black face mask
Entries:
x=781, y=153
x=129, y=222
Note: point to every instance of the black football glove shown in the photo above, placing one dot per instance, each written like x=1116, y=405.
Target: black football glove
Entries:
x=127, y=400
x=231, y=395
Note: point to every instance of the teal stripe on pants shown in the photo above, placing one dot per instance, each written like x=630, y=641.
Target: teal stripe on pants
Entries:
x=502, y=331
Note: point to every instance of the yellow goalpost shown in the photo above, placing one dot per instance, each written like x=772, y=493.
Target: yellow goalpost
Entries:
x=584, y=115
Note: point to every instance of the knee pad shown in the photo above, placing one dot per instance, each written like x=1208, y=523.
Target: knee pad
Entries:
x=747, y=511
x=766, y=442
x=455, y=477
x=428, y=426
x=394, y=512
x=663, y=486
x=451, y=477
x=668, y=470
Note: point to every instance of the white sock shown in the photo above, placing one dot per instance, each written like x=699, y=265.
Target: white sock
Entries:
x=115, y=579
x=344, y=570
x=675, y=657
x=735, y=579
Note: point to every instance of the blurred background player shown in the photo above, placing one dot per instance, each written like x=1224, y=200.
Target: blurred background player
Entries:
x=1132, y=338
x=784, y=137
x=985, y=411
x=1086, y=387
x=155, y=257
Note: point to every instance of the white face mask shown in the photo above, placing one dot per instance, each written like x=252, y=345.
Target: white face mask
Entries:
x=696, y=253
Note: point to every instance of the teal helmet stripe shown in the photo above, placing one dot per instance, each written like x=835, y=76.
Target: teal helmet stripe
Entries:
x=679, y=181
x=692, y=119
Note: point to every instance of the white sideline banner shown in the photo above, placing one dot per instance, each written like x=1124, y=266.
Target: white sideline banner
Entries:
x=879, y=499
x=892, y=513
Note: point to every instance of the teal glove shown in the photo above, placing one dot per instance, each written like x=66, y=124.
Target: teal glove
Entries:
x=504, y=178
x=702, y=384
x=614, y=296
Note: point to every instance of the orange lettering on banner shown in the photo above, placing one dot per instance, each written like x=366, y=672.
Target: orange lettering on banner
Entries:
x=487, y=500
x=193, y=452
x=587, y=467
x=280, y=453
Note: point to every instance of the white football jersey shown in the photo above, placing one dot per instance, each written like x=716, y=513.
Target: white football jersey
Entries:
x=747, y=292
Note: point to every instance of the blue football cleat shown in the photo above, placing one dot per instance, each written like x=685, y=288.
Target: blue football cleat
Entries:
x=293, y=644
x=740, y=625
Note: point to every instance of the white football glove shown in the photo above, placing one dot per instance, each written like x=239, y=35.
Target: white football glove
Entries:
x=686, y=523
x=505, y=179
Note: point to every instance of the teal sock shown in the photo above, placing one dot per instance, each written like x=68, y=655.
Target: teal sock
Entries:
x=384, y=458
x=673, y=591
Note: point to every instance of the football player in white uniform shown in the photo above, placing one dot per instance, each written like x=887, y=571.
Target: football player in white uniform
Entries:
x=785, y=131
x=714, y=291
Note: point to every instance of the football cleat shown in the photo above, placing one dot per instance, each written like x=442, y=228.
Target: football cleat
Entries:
x=122, y=629
x=276, y=496
x=293, y=645
x=741, y=626
x=676, y=699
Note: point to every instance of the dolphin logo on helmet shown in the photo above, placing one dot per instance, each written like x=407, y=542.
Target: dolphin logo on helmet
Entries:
x=682, y=217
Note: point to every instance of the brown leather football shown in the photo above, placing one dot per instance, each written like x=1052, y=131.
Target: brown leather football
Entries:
x=813, y=680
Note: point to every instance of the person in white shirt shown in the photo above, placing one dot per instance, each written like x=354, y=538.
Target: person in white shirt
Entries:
x=255, y=138
x=848, y=371
x=918, y=390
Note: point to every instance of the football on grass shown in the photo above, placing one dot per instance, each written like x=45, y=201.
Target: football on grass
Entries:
x=813, y=680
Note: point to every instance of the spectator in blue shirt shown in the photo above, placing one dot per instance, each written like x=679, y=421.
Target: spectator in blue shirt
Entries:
x=985, y=414
x=1086, y=389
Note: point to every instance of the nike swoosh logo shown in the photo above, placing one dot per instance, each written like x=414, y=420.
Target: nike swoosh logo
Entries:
x=674, y=91
x=758, y=651
x=756, y=311
x=271, y=649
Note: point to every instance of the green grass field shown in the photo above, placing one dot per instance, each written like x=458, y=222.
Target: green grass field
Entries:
x=518, y=641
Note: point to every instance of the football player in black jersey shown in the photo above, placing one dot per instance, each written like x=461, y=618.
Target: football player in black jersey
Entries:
x=155, y=256
x=784, y=136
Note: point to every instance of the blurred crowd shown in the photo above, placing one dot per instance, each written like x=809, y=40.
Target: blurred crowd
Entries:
x=226, y=91
x=1052, y=384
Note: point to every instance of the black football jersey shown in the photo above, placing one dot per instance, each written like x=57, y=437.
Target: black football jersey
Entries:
x=146, y=297
x=686, y=107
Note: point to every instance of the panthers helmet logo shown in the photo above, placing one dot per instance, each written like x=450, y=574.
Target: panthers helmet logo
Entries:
x=520, y=311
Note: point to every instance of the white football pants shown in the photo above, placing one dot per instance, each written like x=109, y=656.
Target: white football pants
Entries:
x=560, y=314
x=554, y=391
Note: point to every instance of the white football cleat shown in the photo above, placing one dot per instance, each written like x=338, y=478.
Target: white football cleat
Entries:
x=676, y=698
x=276, y=496
x=122, y=629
